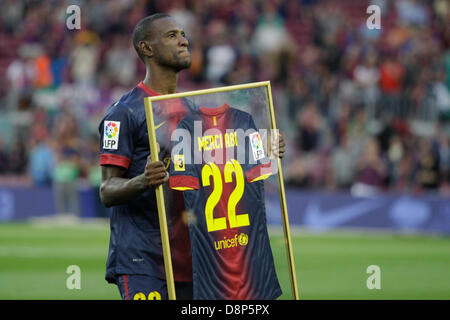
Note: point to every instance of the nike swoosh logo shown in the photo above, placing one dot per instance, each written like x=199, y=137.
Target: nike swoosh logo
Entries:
x=315, y=217
x=160, y=125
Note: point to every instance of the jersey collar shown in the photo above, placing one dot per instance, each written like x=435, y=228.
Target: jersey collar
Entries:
x=147, y=89
x=214, y=111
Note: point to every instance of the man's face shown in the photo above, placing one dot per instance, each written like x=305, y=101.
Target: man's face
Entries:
x=170, y=45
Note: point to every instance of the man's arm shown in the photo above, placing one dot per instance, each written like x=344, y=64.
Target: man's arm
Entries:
x=116, y=190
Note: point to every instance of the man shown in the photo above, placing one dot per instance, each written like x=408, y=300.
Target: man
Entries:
x=135, y=261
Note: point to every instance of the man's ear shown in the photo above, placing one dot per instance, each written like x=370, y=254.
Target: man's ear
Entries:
x=146, y=49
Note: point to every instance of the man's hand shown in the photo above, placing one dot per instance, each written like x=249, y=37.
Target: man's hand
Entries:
x=155, y=173
x=278, y=147
x=117, y=190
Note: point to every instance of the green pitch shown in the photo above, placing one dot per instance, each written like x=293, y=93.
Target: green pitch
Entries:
x=34, y=260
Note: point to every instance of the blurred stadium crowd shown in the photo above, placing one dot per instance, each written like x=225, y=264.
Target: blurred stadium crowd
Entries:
x=365, y=110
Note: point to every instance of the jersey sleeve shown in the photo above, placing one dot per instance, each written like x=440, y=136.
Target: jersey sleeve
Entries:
x=182, y=170
x=117, y=130
x=258, y=166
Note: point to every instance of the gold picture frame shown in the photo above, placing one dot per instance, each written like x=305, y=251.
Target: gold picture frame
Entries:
x=160, y=194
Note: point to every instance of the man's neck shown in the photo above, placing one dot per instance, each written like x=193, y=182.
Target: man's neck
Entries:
x=161, y=80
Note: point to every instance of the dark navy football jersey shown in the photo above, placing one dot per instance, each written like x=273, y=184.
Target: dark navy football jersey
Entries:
x=220, y=165
x=135, y=240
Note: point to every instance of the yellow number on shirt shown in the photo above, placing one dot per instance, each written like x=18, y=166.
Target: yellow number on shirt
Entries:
x=139, y=296
x=211, y=169
x=154, y=295
x=240, y=220
x=213, y=224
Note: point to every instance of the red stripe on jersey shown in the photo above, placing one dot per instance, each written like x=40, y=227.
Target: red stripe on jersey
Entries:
x=258, y=171
x=115, y=160
x=147, y=89
x=183, y=182
x=125, y=284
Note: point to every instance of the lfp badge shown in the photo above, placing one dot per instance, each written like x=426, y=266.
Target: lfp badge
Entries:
x=257, y=146
x=111, y=135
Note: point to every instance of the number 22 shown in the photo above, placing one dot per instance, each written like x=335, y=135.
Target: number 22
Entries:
x=235, y=220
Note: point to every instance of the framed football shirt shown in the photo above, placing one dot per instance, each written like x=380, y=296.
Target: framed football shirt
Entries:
x=220, y=170
x=232, y=187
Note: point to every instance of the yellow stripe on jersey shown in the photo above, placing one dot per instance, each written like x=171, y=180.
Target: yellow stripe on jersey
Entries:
x=261, y=177
x=182, y=188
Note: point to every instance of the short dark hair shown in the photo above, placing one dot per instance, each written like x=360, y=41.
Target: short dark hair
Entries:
x=142, y=30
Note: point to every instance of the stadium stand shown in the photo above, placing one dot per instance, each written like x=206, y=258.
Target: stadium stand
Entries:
x=359, y=108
